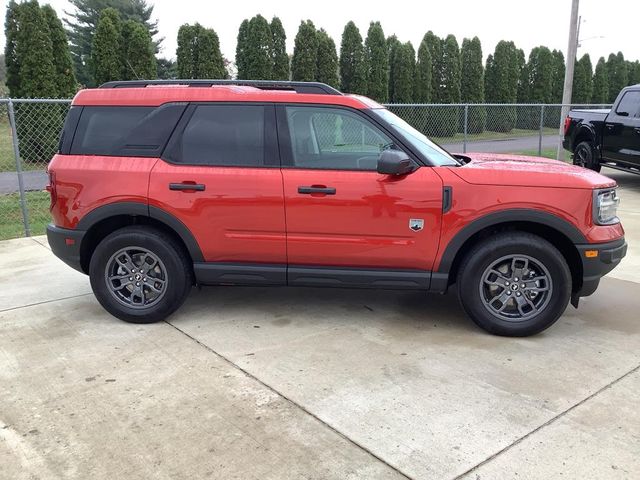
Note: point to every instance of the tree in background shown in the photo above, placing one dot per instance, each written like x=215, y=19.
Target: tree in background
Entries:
x=65, y=78
x=11, y=48
x=280, y=69
x=634, y=72
x=472, y=84
x=404, y=71
x=557, y=77
x=392, y=47
x=424, y=71
x=377, y=61
x=449, y=73
x=501, y=85
x=138, y=52
x=327, y=60
x=105, y=52
x=241, y=46
x=617, y=75
x=258, y=50
x=166, y=69
x=305, y=52
x=540, y=70
x=82, y=24
x=600, y=83
x=434, y=44
x=198, y=53
x=353, y=67
x=582, y=81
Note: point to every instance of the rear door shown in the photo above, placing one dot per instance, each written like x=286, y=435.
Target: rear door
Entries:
x=220, y=176
x=621, y=140
x=340, y=211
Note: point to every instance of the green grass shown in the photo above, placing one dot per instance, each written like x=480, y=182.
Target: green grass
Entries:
x=7, y=159
x=11, y=225
x=546, y=153
x=487, y=135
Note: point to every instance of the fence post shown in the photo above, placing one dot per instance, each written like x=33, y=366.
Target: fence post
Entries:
x=16, y=153
x=466, y=123
x=540, y=132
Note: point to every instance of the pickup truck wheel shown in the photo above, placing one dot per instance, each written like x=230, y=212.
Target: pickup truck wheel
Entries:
x=584, y=155
x=140, y=274
x=514, y=284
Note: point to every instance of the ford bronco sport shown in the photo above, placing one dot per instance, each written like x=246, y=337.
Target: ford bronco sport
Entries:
x=160, y=185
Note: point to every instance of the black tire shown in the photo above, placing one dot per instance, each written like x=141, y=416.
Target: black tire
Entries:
x=172, y=266
x=585, y=155
x=476, y=295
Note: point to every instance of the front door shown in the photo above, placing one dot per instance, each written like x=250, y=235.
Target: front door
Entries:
x=621, y=136
x=340, y=212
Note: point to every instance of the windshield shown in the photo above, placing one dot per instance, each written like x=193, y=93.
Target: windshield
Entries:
x=419, y=141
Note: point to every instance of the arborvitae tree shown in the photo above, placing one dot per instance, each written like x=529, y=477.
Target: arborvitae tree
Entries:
x=167, y=69
x=377, y=61
x=523, y=79
x=65, y=79
x=392, y=46
x=450, y=85
x=600, y=93
x=210, y=62
x=258, y=50
x=634, y=72
x=404, y=65
x=105, y=53
x=241, y=46
x=424, y=71
x=501, y=85
x=139, y=61
x=540, y=67
x=353, y=66
x=82, y=24
x=280, y=69
x=434, y=44
x=34, y=52
x=557, y=78
x=327, y=60
x=472, y=84
x=617, y=75
x=305, y=52
x=10, y=49
x=582, y=81
x=186, y=52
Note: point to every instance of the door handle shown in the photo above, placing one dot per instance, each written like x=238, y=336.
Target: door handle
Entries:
x=317, y=189
x=637, y=130
x=187, y=187
x=610, y=126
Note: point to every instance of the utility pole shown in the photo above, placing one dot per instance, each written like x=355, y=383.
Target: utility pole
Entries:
x=568, y=74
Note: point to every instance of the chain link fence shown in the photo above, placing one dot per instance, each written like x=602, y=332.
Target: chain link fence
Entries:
x=30, y=130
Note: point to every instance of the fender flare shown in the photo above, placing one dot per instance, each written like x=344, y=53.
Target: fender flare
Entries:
x=585, y=127
x=507, y=216
x=144, y=210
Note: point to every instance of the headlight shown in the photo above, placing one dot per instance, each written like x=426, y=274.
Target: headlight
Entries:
x=605, y=207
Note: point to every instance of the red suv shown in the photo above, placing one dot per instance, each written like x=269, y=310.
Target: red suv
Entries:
x=160, y=185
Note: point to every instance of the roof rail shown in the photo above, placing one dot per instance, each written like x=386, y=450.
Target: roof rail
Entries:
x=299, y=87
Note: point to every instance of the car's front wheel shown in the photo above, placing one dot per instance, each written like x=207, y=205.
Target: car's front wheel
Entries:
x=140, y=274
x=514, y=284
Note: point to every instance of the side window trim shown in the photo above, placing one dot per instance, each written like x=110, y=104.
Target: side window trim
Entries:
x=271, y=154
x=286, y=148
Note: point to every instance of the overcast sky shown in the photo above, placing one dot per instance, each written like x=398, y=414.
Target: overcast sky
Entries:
x=528, y=24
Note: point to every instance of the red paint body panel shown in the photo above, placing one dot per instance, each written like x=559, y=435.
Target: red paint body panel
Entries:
x=84, y=183
x=366, y=223
x=239, y=217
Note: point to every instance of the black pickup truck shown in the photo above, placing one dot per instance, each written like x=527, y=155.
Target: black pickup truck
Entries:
x=606, y=137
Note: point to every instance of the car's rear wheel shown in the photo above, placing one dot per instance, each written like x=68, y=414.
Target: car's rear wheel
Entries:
x=585, y=155
x=140, y=274
x=514, y=284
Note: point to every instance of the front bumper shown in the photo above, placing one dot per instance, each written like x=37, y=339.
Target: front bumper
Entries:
x=65, y=244
x=596, y=266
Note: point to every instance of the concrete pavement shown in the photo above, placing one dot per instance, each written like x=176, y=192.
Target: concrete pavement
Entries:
x=313, y=383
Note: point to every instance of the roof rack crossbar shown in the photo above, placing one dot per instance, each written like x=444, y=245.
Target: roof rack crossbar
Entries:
x=299, y=87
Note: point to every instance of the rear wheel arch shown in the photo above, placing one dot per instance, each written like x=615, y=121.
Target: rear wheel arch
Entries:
x=585, y=134
x=561, y=234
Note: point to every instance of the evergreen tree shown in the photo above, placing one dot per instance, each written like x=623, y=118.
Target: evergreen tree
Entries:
x=557, y=78
x=404, y=65
x=210, y=62
x=241, y=48
x=472, y=84
x=327, y=60
x=167, y=69
x=105, y=53
x=138, y=61
x=35, y=52
x=434, y=44
x=377, y=61
x=65, y=79
x=634, y=72
x=392, y=46
x=582, y=81
x=540, y=69
x=305, y=52
x=522, y=95
x=600, y=83
x=82, y=24
x=617, y=74
x=450, y=86
x=186, y=52
x=424, y=72
x=353, y=67
x=11, y=27
x=501, y=85
x=280, y=58
x=258, y=50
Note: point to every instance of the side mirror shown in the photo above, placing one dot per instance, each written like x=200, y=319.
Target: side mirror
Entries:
x=394, y=162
